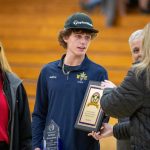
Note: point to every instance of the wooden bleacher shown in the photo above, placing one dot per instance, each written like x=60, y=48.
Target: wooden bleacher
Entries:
x=28, y=31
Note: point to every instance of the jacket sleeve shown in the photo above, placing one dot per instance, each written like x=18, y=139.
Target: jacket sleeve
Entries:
x=122, y=130
x=40, y=111
x=25, y=136
x=103, y=76
x=124, y=100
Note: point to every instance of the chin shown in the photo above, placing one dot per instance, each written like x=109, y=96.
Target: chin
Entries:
x=80, y=53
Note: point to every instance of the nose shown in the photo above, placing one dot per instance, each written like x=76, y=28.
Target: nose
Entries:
x=83, y=40
x=140, y=53
x=139, y=56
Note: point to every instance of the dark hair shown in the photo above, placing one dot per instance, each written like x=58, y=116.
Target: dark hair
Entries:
x=67, y=32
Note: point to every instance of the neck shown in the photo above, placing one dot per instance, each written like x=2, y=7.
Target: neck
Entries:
x=71, y=60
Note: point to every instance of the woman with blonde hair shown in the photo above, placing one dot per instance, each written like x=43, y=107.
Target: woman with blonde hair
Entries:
x=131, y=99
x=15, y=123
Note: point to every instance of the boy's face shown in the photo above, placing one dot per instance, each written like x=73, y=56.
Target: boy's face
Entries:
x=136, y=50
x=78, y=43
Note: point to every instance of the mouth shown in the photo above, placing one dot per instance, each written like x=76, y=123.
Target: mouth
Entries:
x=81, y=48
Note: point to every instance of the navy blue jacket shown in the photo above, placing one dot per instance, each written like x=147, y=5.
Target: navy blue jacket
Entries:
x=59, y=99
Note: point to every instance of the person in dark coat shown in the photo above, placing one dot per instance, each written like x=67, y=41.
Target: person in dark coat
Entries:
x=15, y=123
x=131, y=99
x=135, y=42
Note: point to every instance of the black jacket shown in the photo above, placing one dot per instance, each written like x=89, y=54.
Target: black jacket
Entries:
x=19, y=127
x=131, y=99
x=120, y=131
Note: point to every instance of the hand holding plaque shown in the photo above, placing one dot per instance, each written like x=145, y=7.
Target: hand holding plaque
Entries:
x=91, y=115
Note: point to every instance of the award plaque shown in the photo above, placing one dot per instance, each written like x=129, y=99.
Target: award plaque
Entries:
x=91, y=115
x=51, y=137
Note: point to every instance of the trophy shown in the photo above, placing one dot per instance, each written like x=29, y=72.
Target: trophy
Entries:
x=91, y=115
x=52, y=137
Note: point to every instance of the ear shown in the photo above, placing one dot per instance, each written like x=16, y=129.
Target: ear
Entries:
x=65, y=38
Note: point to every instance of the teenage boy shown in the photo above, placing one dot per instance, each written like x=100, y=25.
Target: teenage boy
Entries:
x=62, y=85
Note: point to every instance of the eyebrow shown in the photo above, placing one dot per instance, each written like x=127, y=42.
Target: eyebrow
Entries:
x=136, y=48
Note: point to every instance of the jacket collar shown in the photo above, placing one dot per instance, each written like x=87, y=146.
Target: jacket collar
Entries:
x=13, y=79
x=85, y=63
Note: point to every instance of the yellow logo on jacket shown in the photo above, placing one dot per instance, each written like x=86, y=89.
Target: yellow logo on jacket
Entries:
x=82, y=76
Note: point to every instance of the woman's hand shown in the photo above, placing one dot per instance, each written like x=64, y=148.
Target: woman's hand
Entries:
x=107, y=84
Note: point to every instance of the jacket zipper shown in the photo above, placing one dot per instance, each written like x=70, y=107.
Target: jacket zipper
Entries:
x=67, y=76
